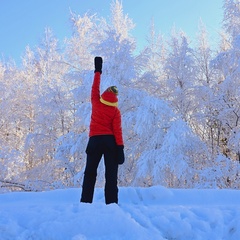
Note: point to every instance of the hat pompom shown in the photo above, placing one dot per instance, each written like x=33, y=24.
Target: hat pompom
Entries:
x=113, y=89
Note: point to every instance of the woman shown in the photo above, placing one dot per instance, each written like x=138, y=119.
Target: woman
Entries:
x=105, y=139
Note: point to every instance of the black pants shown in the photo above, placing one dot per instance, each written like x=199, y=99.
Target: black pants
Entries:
x=98, y=146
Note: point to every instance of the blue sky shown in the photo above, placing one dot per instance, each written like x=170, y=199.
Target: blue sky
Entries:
x=22, y=22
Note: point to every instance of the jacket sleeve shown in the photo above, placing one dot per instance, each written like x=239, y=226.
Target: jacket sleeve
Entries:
x=95, y=94
x=117, y=128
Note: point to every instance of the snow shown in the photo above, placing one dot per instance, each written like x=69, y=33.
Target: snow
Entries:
x=142, y=213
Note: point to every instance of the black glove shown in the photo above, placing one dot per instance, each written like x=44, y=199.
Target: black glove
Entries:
x=120, y=154
x=98, y=64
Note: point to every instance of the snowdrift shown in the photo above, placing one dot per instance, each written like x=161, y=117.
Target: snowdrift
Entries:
x=142, y=213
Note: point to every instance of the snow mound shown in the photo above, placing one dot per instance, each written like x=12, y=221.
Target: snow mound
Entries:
x=142, y=213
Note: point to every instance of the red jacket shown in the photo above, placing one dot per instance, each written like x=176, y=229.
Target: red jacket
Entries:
x=106, y=117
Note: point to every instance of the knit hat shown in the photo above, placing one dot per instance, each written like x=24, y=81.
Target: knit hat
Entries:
x=109, y=97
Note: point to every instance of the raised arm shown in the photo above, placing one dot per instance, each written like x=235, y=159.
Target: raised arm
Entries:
x=95, y=94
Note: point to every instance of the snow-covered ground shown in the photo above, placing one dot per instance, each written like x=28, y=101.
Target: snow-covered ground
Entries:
x=143, y=213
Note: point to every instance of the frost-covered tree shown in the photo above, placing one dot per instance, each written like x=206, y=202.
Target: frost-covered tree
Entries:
x=87, y=30
x=181, y=75
x=116, y=47
x=231, y=19
x=222, y=173
x=55, y=92
x=203, y=55
x=12, y=123
x=46, y=110
x=227, y=68
x=203, y=121
x=176, y=160
x=150, y=64
x=120, y=22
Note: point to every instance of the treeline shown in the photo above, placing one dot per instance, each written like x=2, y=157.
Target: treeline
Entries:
x=180, y=106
